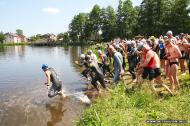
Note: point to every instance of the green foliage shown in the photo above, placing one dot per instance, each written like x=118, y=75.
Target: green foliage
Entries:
x=108, y=23
x=19, y=32
x=63, y=37
x=152, y=17
x=77, y=27
x=2, y=37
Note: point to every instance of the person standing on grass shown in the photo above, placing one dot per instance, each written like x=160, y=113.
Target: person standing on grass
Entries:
x=180, y=43
x=132, y=59
x=151, y=65
x=171, y=37
x=187, y=48
x=118, y=61
x=173, y=54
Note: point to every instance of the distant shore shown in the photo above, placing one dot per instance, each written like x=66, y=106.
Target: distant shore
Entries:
x=49, y=44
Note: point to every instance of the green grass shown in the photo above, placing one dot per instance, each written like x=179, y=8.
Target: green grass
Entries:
x=124, y=106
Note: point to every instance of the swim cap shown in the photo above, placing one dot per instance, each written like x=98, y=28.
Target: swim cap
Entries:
x=44, y=66
x=128, y=42
x=82, y=56
x=89, y=52
x=169, y=33
x=99, y=52
x=140, y=46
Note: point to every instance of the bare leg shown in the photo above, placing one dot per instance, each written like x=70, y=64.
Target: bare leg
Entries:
x=163, y=66
x=174, y=75
x=171, y=78
x=159, y=81
x=167, y=68
x=182, y=65
x=152, y=87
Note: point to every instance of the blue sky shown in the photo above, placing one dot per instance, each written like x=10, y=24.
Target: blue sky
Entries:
x=45, y=16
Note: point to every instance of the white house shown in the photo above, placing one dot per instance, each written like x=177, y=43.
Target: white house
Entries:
x=12, y=38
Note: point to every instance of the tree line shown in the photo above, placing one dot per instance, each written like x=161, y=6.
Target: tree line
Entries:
x=152, y=17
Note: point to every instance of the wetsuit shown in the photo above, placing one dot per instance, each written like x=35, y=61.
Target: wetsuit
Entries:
x=86, y=71
x=56, y=83
x=132, y=60
x=162, y=51
x=98, y=75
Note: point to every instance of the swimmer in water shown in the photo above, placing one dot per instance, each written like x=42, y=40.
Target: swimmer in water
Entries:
x=52, y=77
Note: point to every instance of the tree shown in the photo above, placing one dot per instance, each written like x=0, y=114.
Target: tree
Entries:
x=120, y=19
x=19, y=32
x=179, y=17
x=126, y=19
x=64, y=37
x=2, y=37
x=108, y=23
x=95, y=20
x=77, y=26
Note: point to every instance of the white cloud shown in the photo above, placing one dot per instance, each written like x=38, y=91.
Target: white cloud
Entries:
x=87, y=10
x=51, y=10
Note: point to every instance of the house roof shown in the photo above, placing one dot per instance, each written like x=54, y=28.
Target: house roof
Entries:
x=11, y=34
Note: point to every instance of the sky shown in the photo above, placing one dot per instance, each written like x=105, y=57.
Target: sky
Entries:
x=45, y=16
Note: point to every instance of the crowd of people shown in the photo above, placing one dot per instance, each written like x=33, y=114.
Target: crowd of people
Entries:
x=152, y=59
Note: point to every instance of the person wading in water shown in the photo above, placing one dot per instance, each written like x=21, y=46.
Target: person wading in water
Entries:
x=52, y=77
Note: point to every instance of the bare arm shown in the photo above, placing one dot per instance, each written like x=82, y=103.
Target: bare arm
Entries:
x=47, y=73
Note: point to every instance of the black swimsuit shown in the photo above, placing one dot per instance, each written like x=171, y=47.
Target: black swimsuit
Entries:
x=171, y=63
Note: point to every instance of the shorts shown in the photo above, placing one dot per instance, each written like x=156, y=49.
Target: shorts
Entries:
x=171, y=63
x=157, y=72
x=148, y=72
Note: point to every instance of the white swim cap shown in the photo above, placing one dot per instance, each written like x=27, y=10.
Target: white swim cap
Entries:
x=82, y=56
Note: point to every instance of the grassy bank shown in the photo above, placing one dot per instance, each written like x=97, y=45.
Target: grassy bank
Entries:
x=123, y=106
x=14, y=44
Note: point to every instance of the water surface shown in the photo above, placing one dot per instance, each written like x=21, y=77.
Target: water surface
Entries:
x=23, y=96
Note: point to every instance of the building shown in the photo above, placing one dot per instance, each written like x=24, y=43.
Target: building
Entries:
x=14, y=38
x=22, y=38
x=50, y=37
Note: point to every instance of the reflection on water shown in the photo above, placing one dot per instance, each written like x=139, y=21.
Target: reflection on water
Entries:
x=23, y=96
x=57, y=112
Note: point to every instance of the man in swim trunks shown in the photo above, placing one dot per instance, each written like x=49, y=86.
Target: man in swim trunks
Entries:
x=151, y=67
x=170, y=37
x=172, y=54
x=52, y=77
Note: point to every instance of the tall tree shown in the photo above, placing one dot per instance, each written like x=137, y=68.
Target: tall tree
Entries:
x=180, y=19
x=126, y=19
x=19, y=32
x=95, y=20
x=63, y=37
x=108, y=23
x=77, y=26
x=119, y=16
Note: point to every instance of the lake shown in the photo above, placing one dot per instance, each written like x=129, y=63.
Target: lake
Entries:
x=23, y=95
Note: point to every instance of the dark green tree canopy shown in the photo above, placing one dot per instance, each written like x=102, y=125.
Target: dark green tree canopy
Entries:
x=152, y=17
